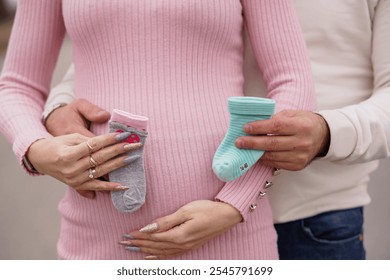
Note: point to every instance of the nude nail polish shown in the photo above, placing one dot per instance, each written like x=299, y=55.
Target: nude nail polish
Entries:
x=150, y=258
x=124, y=242
x=149, y=228
x=121, y=188
x=132, y=146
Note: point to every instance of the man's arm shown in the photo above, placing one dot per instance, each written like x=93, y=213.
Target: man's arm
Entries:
x=353, y=134
x=363, y=130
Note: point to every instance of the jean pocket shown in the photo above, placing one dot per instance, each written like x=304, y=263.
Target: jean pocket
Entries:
x=335, y=227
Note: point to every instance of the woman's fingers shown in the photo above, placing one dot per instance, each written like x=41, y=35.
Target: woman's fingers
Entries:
x=100, y=162
x=98, y=185
x=94, y=144
x=96, y=172
x=68, y=158
x=100, y=157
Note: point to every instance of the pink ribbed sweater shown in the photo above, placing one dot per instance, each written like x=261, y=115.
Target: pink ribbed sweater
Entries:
x=176, y=62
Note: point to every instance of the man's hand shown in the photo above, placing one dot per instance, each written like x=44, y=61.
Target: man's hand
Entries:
x=75, y=118
x=291, y=139
x=187, y=229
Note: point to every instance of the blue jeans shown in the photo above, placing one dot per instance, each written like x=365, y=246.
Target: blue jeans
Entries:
x=335, y=235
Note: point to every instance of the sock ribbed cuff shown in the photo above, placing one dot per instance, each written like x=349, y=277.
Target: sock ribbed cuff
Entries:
x=245, y=105
x=129, y=119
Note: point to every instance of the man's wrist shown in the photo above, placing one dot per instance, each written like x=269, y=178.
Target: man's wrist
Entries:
x=324, y=148
x=46, y=113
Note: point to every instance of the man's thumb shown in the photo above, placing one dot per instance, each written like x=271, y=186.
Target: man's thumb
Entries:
x=91, y=112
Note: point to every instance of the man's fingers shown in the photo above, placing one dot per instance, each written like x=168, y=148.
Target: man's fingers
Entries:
x=270, y=143
x=91, y=112
x=282, y=123
x=278, y=160
x=83, y=131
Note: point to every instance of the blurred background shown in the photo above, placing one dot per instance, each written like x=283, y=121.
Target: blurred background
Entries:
x=30, y=222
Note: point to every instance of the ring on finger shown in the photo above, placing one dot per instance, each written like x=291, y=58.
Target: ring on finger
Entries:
x=90, y=148
x=92, y=162
x=92, y=172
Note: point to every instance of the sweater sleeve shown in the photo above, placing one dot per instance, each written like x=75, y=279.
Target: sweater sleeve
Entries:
x=363, y=130
x=281, y=54
x=32, y=53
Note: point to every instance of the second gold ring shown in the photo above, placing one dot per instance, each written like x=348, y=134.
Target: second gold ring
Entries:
x=92, y=162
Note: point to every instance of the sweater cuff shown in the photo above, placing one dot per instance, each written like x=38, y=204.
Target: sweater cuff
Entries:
x=343, y=136
x=23, y=143
x=247, y=191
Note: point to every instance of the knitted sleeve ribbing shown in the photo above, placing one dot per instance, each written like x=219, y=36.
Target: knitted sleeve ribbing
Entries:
x=33, y=49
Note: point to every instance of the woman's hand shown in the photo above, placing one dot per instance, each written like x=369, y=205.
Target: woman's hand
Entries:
x=77, y=160
x=187, y=229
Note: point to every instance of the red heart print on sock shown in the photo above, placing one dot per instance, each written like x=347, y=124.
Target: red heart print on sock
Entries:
x=133, y=138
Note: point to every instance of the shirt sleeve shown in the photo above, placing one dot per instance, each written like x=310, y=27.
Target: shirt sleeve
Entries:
x=33, y=49
x=363, y=129
x=63, y=93
x=280, y=50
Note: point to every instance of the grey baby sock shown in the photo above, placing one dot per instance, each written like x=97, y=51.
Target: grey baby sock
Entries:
x=132, y=175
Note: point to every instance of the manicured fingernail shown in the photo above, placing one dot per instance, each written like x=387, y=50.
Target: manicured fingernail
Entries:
x=122, y=136
x=121, y=188
x=149, y=228
x=130, y=159
x=133, y=249
x=248, y=128
x=128, y=236
x=150, y=258
x=127, y=243
x=132, y=146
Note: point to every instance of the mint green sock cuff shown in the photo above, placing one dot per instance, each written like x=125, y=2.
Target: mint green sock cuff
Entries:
x=246, y=105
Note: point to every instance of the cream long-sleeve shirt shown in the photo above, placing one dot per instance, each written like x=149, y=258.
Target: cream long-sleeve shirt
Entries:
x=349, y=43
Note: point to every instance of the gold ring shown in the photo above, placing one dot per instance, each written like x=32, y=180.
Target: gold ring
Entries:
x=92, y=172
x=90, y=149
x=92, y=162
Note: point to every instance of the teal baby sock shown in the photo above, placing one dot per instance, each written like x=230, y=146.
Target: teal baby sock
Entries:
x=229, y=162
x=132, y=175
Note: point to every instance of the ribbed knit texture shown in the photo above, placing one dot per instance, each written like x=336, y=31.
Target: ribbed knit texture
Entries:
x=176, y=62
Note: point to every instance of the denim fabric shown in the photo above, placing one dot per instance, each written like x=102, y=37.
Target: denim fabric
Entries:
x=336, y=235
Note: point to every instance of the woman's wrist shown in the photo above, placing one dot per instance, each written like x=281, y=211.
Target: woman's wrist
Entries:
x=29, y=158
